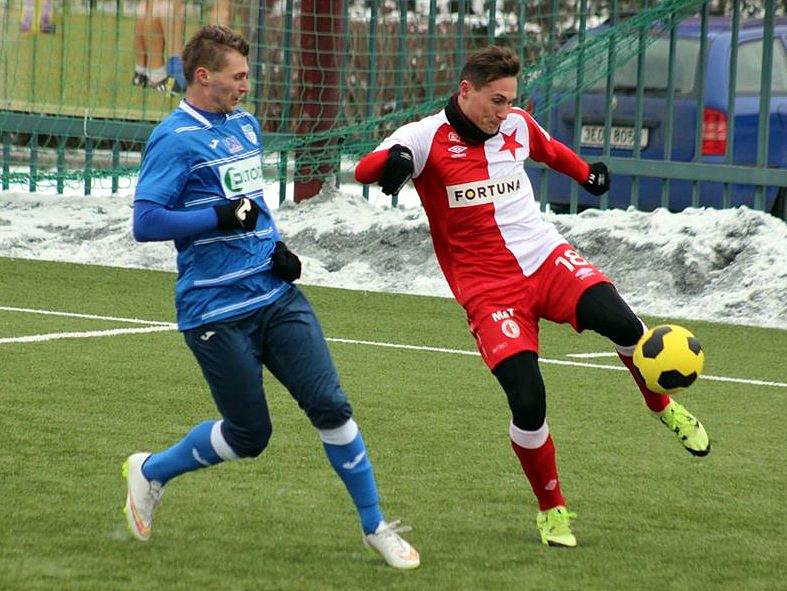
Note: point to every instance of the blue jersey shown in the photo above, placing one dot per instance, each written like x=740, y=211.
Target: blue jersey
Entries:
x=196, y=159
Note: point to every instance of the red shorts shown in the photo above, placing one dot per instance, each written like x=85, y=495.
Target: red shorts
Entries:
x=506, y=323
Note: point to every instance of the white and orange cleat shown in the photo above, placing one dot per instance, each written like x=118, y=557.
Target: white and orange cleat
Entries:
x=393, y=547
x=143, y=497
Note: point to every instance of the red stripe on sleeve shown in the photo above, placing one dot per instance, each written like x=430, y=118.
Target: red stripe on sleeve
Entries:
x=371, y=166
x=557, y=156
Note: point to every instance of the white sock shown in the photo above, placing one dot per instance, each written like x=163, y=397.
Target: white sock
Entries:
x=157, y=75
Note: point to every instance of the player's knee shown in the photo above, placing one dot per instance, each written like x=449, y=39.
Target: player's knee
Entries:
x=332, y=414
x=327, y=406
x=251, y=441
x=521, y=381
x=602, y=310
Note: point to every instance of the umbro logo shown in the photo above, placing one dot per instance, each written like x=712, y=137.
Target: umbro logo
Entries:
x=458, y=151
x=206, y=335
x=214, y=144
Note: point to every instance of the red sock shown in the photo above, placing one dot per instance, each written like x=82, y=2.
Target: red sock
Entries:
x=656, y=402
x=541, y=470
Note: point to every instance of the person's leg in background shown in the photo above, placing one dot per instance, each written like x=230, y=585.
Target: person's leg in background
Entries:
x=141, y=26
x=175, y=21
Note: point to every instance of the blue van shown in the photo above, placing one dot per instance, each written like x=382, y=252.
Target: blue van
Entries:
x=715, y=114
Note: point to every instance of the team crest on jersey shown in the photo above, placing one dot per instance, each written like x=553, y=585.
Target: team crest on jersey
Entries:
x=454, y=137
x=251, y=135
x=233, y=145
x=510, y=328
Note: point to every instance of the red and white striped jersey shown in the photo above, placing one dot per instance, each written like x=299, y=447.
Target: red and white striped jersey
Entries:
x=486, y=226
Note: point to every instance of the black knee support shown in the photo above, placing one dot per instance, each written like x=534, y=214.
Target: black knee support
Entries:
x=521, y=380
x=601, y=309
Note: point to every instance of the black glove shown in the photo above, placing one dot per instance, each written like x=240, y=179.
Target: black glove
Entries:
x=286, y=265
x=598, y=179
x=240, y=214
x=397, y=170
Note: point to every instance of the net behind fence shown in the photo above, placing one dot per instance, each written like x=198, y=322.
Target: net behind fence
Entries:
x=329, y=78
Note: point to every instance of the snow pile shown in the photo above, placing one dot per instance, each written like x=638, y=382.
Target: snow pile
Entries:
x=701, y=264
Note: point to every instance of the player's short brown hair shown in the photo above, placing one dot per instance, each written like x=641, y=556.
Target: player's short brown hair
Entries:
x=209, y=47
x=490, y=64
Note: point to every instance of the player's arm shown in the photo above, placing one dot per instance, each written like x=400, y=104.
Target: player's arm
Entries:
x=544, y=148
x=154, y=222
x=400, y=157
x=161, y=180
x=391, y=168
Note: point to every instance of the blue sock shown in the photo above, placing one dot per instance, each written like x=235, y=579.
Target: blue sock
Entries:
x=354, y=468
x=175, y=69
x=192, y=452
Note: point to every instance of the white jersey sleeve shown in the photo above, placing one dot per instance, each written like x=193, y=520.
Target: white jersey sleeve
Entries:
x=417, y=137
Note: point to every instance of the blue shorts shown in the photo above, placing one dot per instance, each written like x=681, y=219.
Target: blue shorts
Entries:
x=285, y=337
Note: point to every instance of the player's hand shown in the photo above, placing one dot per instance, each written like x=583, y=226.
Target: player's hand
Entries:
x=240, y=214
x=598, y=179
x=286, y=265
x=397, y=170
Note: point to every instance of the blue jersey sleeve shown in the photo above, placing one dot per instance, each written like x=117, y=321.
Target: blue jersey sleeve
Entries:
x=153, y=221
x=165, y=168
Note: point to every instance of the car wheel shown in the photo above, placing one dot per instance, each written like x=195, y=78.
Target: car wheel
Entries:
x=779, y=208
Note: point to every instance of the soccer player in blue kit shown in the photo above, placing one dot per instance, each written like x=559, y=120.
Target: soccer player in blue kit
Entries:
x=201, y=185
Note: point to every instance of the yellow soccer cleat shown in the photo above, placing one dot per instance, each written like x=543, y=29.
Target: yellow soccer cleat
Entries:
x=685, y=425
x=554, y=527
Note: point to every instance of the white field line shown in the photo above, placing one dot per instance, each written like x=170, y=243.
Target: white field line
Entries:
x=163, y=326
x=550, y=361
x=38, y=338
x=89, y=316
x=592, y=355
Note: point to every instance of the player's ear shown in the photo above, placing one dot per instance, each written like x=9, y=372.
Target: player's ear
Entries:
x=202, y=75
x=464, y=87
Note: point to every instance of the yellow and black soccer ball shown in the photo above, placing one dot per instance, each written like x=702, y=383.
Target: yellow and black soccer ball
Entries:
x=669, y=358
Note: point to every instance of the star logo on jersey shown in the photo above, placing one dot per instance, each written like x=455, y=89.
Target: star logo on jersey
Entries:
x=510, y=143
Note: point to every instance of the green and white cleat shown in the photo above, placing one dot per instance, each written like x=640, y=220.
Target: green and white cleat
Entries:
x=393, y=547
x=685, y=425
x=142, y=499
x=554, y=526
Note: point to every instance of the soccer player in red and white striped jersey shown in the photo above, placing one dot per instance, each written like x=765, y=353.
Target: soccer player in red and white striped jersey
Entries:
x=506, y=265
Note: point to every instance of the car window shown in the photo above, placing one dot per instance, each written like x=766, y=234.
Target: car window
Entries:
x=749, y=68
x=687, y=53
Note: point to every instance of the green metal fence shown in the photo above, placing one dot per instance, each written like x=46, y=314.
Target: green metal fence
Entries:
x=331, y=78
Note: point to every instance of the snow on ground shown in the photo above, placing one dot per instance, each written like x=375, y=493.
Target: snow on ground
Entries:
x=725, y=266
